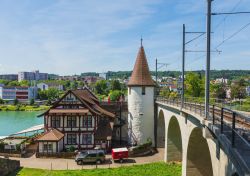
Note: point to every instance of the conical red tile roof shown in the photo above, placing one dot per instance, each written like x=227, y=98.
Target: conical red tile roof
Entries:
x=141, y=75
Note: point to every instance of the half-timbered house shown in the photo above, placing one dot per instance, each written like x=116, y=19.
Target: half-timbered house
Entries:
x=76, y=120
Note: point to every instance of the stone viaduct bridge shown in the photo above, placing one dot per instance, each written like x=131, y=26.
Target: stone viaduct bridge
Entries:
x=216, y=146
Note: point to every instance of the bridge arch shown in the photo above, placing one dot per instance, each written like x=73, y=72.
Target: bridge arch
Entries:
x=198, y=155
x=161, y=130
x=174, y=141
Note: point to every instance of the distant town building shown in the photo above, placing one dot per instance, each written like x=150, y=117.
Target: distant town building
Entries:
x=91, y=79
x=179, y=85
x=228, y=93
x=173, y=88
x=248, y=90
x=103, y=75
x=53, y=76
x=221, y=81
x=69, y=78
x=32, y=76
x=158, y=79
x=46, y=86
x=42, y=86
x=18, y=92
x=10, y=77
x=163, y=84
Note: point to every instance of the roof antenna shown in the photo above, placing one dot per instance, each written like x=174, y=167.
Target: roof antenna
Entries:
x=141, y=41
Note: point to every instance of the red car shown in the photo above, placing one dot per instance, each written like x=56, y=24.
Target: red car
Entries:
x=119, y=154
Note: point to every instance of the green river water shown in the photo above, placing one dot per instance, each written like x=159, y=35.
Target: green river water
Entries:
x=15, y=121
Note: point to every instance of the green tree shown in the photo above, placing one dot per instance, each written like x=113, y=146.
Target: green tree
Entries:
x=238, y=91
x=24, y=83
x=3, y=81
x=218, y=91
x=173, y=95
x=81, y=84
x=42, y=95
x=13, y=83
x=16, y=102
x=32, y=101
x=115, y=95
x=52, y=94
x=1, y=101
x=73, y=85
x=194, y=85
x=115, y=85
x=101, y=87
x=165, y=92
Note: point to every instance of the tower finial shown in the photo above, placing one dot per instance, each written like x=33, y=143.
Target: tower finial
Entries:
x=141, y=41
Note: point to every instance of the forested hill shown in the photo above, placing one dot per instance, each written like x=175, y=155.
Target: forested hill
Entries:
x=228, y=74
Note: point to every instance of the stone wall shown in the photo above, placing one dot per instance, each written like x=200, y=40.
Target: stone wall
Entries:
x=7, y=166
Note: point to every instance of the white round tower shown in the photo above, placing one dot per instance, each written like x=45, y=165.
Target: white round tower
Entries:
x=141, y=102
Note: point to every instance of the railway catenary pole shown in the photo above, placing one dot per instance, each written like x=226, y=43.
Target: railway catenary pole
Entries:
x=183, y=66
x=207, y=86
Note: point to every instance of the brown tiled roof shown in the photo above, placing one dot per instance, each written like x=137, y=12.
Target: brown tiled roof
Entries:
x=52, y=135
x=141, y=75
x=86, y=97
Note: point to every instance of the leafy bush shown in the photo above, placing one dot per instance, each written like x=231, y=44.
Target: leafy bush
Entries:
x=1, y=146
x=143, y=147
x=115, y=95
x=32, y=101
x=72, y=148
x=18, y=147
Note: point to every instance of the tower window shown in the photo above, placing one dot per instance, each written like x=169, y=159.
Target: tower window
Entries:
x=143, y=90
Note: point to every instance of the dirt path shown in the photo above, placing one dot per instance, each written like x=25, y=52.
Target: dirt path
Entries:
x=64, y=164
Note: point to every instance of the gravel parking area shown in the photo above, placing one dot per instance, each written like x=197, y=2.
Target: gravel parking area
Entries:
x=64, y=164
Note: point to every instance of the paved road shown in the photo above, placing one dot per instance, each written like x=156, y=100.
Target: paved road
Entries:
x=64, y=164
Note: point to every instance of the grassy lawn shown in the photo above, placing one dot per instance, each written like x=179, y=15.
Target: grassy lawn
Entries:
x=153, y=169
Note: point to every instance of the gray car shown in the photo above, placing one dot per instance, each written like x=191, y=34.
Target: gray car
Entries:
x=90, y=156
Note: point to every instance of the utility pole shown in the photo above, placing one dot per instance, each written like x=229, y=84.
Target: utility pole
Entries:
x=156, y=74
x=183, y=65
x=158, y=66
x=209, y=2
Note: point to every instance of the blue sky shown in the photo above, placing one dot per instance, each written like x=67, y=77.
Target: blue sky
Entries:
x=75, y=36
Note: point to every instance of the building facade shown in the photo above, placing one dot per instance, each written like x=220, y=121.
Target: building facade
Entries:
x=20, y=93
x=78, y=121
x=141, y=89
x=32, y=76
x=248, y=90
x=10, y=77
x=46, y=86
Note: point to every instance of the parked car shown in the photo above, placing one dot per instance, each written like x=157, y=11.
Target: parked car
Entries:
x=90, y=156
x=119, y=154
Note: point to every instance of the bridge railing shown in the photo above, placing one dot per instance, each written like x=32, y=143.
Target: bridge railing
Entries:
x=234, y=125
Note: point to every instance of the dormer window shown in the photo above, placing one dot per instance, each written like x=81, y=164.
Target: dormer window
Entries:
x=143, y=90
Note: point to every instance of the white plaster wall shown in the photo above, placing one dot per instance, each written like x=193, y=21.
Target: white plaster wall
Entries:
x=141, y=113
x=53, y=147
x=40, y=146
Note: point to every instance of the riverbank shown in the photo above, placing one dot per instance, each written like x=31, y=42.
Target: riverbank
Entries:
x=23, y=107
